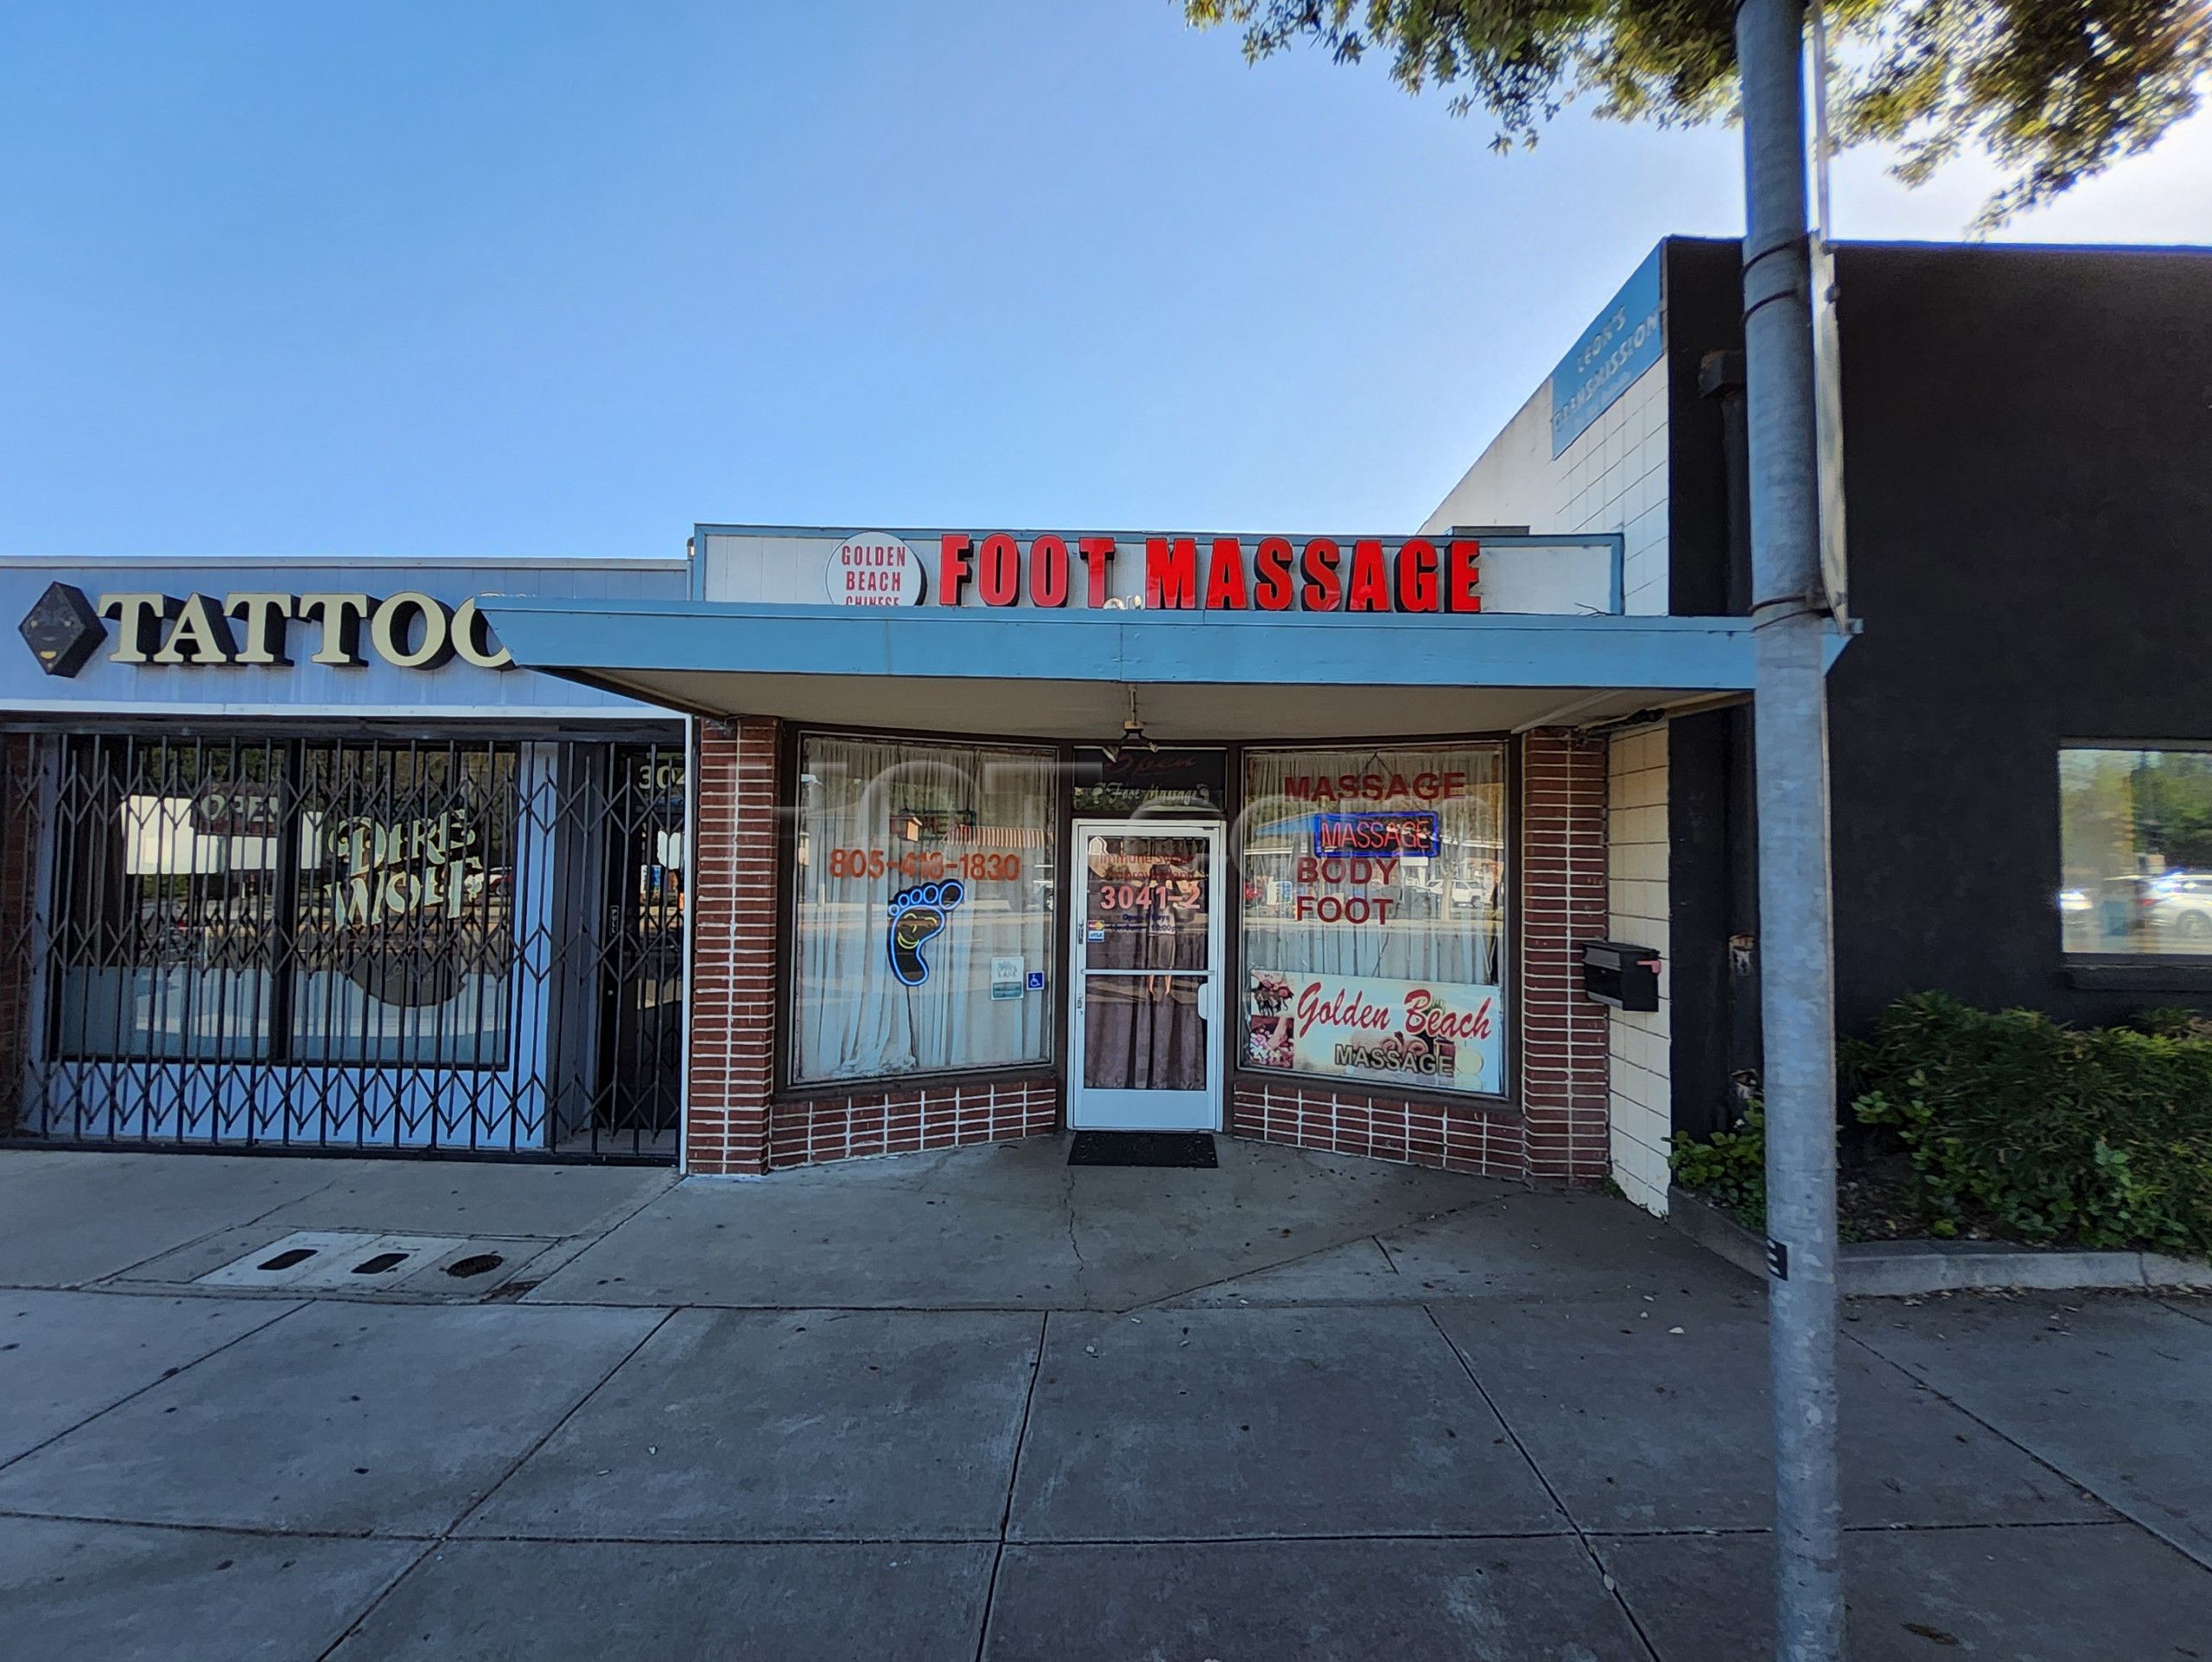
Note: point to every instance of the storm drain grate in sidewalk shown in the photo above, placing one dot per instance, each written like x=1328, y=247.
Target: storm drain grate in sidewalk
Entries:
x=359, y=1260
x=1142, y=1149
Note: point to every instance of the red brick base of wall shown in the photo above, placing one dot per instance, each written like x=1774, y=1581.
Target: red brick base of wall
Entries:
x=1420, y=1134
x=839, y=1128
x=734, y=1124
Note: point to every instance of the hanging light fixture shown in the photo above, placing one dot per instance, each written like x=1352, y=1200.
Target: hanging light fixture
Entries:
x=1133, y=733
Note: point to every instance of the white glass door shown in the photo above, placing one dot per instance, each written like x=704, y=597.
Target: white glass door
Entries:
x=1144, y=1023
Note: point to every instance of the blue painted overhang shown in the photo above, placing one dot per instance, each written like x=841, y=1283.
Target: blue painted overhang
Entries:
x=1199, y=674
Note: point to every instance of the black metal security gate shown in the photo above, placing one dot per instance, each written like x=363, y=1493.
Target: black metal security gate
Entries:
x=348, y=942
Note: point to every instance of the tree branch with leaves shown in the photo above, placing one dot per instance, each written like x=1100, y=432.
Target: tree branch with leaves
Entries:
x=2055, y=91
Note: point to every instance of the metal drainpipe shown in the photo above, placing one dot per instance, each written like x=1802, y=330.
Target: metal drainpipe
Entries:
x=1791, y=738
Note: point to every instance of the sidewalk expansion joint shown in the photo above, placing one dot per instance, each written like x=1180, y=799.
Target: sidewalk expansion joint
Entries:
x=1581, y=1534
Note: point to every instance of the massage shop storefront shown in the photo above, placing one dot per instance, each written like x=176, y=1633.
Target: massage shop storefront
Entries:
x=293, y=856
x=1294, y=837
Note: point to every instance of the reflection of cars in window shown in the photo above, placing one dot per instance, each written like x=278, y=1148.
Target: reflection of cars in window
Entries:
x=2181, y=905
x=2124, y=905
x=2172, y=910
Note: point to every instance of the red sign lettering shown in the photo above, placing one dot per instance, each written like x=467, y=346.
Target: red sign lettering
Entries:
x=1170, y=573
x=1267, y=574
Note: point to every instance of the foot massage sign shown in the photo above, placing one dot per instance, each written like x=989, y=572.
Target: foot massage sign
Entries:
x=918, y=916
x=1443, y=1034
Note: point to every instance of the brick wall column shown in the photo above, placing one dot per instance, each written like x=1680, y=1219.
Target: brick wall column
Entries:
x=1565, y=1036
x=733, y=901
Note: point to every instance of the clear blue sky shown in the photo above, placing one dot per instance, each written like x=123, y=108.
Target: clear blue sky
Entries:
x=506, y=278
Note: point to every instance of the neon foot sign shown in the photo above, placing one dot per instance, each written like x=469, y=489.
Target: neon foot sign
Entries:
x=917, y=916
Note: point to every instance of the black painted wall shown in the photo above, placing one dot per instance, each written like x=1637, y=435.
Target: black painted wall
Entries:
x=2029, y=478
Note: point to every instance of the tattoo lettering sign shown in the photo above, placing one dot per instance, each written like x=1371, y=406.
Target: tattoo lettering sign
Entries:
x=409, y=630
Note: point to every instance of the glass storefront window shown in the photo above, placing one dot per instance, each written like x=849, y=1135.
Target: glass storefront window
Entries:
x=404, y=927
x=168, y=867
x=287, y=902
x=2135, y=846
x=923, y=916
x=1374, y=915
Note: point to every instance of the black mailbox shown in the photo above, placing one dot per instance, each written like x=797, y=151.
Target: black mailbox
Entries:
x=1616, y=973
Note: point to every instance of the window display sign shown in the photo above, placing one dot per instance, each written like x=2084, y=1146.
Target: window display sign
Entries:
x=1435, y=1034
x=924, y=878
x=917, y=914
x=1417, y=834
x=1144, y=902
x=1130, y=782
x=1374, y=915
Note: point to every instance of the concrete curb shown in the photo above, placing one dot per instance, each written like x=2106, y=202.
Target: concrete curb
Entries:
x=1907, y=1269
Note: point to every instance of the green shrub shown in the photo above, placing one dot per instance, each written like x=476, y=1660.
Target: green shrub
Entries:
x=2017, y=1125
x=2101, y=1136
x=1729, y=1168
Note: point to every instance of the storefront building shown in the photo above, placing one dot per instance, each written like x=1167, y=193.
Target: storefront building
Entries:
x=2021, y=785
x=1433, y=846
x=1296, y=838
x=293, y=856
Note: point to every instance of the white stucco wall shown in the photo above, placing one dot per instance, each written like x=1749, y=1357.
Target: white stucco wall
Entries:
x=1612, y=477
x=1636, y=873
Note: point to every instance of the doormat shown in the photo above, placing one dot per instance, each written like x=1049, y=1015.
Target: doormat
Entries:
x=1142, y=1149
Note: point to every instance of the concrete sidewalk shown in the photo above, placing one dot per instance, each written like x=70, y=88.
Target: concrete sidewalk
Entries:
x=985, y=1404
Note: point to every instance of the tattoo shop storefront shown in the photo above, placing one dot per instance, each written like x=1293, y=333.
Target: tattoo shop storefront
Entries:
x=1293, y=837
x=292, y=855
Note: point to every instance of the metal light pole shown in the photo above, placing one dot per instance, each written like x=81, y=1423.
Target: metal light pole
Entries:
x=1790, y=745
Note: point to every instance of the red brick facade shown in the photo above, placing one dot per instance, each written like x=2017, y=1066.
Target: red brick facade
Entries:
x=736, y=1125
x=1346, y=1122
x=1566, y=1046
x=731, y=1065
x=834, y=1128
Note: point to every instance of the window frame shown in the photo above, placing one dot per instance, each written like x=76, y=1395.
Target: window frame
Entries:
x=785, y=1086
x=1507, y=1099
x=2146, y=972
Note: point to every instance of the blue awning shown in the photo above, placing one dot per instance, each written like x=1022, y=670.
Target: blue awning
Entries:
x=1199, y=674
